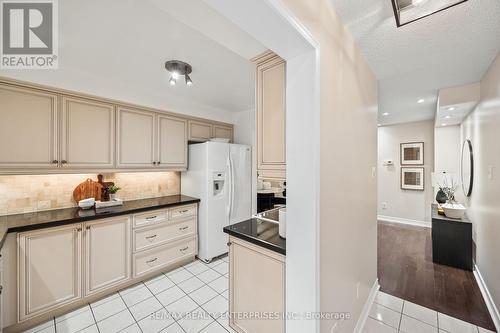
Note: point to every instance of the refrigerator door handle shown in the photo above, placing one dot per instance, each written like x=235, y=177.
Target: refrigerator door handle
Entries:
x=231, y=198
x=230, y=179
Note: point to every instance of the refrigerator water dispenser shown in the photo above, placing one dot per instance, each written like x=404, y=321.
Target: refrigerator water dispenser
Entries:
x=219, y=179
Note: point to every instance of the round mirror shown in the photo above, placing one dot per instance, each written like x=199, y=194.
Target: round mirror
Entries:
x=467, y=168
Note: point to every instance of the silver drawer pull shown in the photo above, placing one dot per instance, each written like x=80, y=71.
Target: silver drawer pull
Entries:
x=184, y=249
x=150, y=237
x=183, y=228
x=150, y=217
x=151, y=261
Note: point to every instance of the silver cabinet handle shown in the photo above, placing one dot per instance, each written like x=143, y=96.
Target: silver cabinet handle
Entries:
x=150, y=217
x=151, y=261
x=184, y=249
x=183, y=228
x=151, y=237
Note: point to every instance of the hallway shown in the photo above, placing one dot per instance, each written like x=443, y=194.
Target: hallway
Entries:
x=406, y=270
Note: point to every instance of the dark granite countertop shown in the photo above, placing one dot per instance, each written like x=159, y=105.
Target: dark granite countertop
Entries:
x=258, y=232
x=51, y=218
x=437, y=216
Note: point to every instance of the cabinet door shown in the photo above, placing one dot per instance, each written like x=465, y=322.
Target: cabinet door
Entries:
x=88, y=134
x=172, y=142
x=49, y=265
x=28, y=128
x=271, y=134
x=107, y=253
x=136, y=139
x=199, y=131
x=225, y=132
x=248, y=264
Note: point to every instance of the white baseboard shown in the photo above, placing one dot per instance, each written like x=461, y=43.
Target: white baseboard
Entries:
x=366, y=308
x=492, y=308
x=392, y=219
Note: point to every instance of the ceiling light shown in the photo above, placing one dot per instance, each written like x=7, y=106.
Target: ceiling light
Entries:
x=178, y=68
x=451, y=108
x=379, y=125
x=420, y=101
x=407, y=11
x=385, y=114
x=447, y=117
x=189, y=82
x=444, y=125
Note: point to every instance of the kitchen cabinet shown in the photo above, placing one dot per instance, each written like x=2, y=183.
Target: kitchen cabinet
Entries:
x=172, y=142
x=199, y=131
x=88, y=134
x=271, y=116
x=107, y=253
x=28, y=128
x=50, y=270
x=248, y=264
x=136, y=139
x=225, y=132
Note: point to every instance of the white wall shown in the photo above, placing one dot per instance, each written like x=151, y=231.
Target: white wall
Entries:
x=405, y=205
x=245, y=134
x=482, y=127
x=447, y=155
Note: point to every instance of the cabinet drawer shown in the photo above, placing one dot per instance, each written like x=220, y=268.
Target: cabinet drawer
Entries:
x=183, y=211
x=149, y=218
x=164, y=255
x=148, y=237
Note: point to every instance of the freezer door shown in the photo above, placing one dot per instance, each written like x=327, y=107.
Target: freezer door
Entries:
x=241, y=189
x=217, y=202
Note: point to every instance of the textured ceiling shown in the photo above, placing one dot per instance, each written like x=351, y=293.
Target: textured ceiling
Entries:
x=413, y=62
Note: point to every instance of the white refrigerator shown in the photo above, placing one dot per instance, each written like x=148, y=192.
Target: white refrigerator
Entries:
x=220, y=175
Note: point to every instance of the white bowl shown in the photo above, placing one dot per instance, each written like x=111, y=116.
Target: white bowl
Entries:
x=454, y=211
x=86, y=203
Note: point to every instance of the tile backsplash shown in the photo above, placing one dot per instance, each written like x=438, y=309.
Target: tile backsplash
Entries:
x=29, y=193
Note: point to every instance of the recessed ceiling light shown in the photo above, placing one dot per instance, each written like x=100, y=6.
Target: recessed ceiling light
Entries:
x=447, y=117
x=379, y=125
x=420, y=101
x=385, y=114
x=444, y=125
x=451, y=108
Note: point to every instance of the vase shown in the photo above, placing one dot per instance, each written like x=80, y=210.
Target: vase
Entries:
x=112, y=196
x=441, y=197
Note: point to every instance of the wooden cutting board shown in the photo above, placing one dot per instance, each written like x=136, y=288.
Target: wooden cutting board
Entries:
x=88, y=189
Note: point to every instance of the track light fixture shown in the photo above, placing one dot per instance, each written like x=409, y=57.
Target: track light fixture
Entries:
x=178, y=68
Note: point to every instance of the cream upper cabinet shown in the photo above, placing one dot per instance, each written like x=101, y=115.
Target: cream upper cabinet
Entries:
x=28, y=128
x=172, y=142
x=135, y=139
x=49, y=268
x=225, y=132
x=87, y=134
x=199, y=131
x=248, y=265
x=271, y=115
x=107, y=253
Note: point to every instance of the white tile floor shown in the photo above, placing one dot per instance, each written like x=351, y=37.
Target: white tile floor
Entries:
x=390, y=314
x=194, y=298
x=190, y=299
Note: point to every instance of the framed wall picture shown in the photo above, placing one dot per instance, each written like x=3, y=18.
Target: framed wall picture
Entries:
x=412, y=153
x=412, y=179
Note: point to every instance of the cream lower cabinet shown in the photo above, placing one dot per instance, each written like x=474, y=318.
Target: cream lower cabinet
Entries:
x=256, y=285
x=107, y=253
x=50, y=269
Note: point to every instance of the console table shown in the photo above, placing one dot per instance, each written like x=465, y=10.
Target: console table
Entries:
x=451, y=241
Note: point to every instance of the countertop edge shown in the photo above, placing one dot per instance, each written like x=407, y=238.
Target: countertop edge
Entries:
x=255, y=241
x=74, y=220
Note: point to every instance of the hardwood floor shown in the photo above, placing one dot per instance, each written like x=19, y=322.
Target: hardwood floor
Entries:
x=406, y=270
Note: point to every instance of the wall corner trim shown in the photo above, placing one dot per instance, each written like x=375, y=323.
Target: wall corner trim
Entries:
x=490, y=304
x=366, y=308
x=393, y=219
